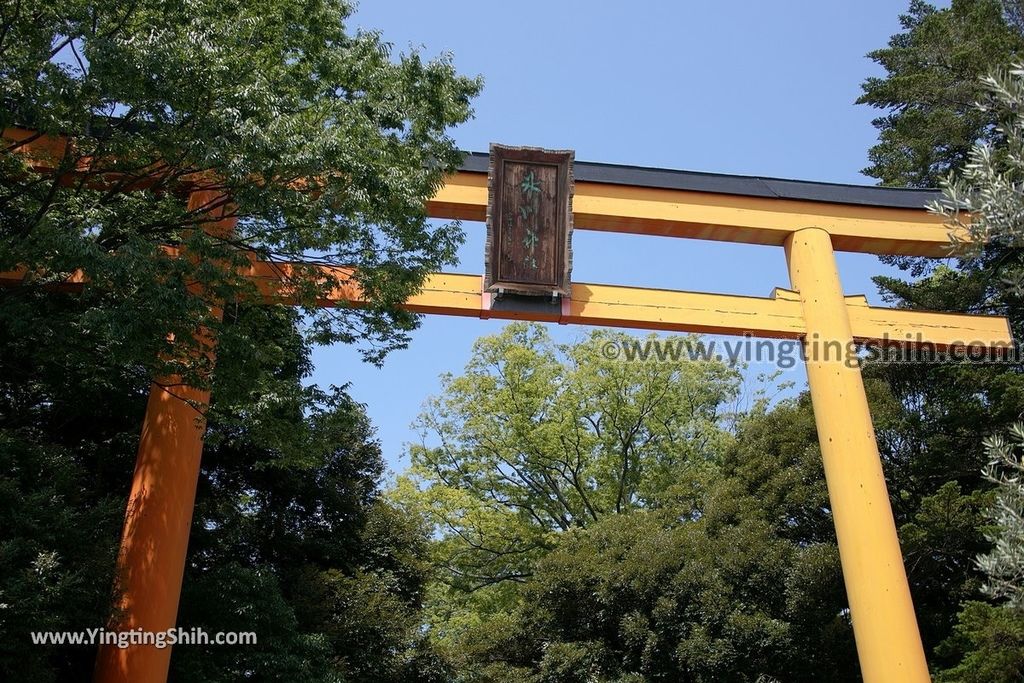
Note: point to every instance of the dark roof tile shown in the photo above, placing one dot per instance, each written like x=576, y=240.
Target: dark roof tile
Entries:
x=746, y=186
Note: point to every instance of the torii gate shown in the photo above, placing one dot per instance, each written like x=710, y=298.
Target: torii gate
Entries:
x=810, y=220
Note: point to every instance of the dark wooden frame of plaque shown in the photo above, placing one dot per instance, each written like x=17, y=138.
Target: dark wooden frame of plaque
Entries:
x=563, y=161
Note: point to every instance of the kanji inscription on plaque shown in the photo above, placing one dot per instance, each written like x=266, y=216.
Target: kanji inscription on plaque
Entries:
x=529, y=221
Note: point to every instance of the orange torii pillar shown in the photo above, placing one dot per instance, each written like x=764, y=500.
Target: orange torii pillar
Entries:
x=154, y=540
x=885, y=627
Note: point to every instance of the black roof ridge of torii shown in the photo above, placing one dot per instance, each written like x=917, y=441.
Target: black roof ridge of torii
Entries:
x=740, y=185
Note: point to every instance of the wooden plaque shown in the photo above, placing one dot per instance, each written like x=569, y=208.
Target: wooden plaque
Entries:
x=529, y=221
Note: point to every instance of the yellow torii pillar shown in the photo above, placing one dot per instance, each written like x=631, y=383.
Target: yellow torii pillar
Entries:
x=884, y=624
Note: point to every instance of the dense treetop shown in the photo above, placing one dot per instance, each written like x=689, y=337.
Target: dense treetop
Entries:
x=326, y=143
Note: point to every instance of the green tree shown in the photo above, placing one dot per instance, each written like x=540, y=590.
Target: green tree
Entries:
x=931, y=87
x=1004, y=564
x=988, y=638
x=718, y=562
x=291, y=539
x=326, y=146
x=989, y=189
x=983, y=643
x=68, y=452
x=735, y=576
x=990, y=641
x=536, y=438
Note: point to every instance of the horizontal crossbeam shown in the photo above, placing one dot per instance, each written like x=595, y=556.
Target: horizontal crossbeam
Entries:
x=720, y=217
x=778, y=316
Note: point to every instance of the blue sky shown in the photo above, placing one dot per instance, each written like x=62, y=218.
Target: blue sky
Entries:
x=743, y=87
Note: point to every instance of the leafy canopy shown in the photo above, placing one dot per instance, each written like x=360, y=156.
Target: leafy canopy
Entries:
x=931, y=86
x=734, y=576
x=990, y=189
x=326, y=146
x=535, y=438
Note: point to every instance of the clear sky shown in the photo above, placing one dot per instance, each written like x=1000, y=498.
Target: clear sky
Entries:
x=752, y=88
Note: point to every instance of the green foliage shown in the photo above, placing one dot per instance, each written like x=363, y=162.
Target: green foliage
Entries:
x=290, y=538
x=1004, y=564
x=931, y=419
x=59, y=536
x=724, y=581
x=731, y=573
x=991, y=641
x=326, y=145
x=775, y=458
x=254, y=596
x=289, y=527
x=989, y=189
x=66, y=457
x=536, y=438
x=931, y=87
x=988, y=640
x=693, y=601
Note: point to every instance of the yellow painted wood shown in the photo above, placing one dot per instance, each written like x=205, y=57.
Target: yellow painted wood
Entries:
x=884, y=624
x=918, y=327
x=779, y=316
x=720, y=217
x=658, y=309
x=449, y=294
